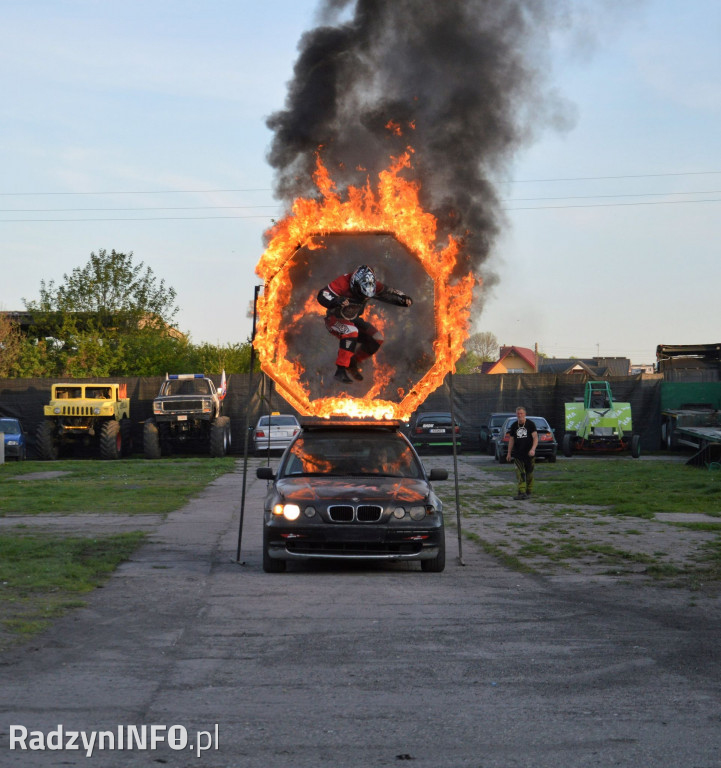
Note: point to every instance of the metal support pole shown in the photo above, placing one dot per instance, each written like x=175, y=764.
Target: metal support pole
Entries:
x=455, y=473
x=247, y=424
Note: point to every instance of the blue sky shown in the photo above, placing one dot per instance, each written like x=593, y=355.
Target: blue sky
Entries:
x=117, y=112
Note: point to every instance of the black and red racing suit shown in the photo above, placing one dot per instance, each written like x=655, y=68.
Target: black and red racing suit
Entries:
x=343, y=318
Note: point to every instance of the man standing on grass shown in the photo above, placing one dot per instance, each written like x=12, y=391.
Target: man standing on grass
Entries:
x=522, y=449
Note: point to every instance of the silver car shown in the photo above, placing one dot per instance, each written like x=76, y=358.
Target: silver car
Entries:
x=275, y=432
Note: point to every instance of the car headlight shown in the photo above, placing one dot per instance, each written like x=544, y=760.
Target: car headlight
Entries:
x=96, y=411
x=418, y=513
x=56, y=410
x=399, y=513
x=288, y=511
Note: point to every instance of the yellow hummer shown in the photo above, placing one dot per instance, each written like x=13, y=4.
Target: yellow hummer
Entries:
x=92, y=414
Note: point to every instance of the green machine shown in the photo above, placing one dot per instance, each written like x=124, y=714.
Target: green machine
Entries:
x=599, y=424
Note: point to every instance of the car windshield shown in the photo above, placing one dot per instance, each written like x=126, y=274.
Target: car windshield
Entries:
x=342, y=454
x=68, y=393
x=278, y=421
x=99, y=393
x=497, y=421
x=539, y=421
x=436, y=420
x=9, y=426
x=187, y=387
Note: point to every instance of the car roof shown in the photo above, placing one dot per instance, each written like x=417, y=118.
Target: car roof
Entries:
x=530, y=418
x=317, y=424
x=433, y=414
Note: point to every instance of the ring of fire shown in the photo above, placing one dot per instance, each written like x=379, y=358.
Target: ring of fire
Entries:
x=394, y=209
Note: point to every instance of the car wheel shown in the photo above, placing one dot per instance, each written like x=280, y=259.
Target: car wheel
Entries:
x=568, y=444
x=111, y=440
x=636, y=446
x=491, y=449
x=46, y=444
x=438, y=563
x=271, y=565
x=151, y=440
x=219, y=431
x=552, y=458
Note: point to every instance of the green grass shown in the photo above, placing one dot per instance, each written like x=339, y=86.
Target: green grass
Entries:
x=626, y=486
x=41, y=576
x=129, y=487
x=592, y=513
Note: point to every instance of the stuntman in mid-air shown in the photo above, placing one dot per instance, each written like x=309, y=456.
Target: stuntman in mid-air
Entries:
x=344, y=299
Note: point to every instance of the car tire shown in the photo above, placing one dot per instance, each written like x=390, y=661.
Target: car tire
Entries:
x=568, y=444
x=438, y=563
x=46, y=445
x=552, y=458
x=219, y=437
x=151, y=440
x=636, y=446
x=270, y=564
x=491, y=448
x=111, y=440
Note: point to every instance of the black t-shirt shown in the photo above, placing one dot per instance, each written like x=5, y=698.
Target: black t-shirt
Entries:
x=522, y=437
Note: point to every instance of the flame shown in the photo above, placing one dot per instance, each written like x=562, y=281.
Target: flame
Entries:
x=392, y=208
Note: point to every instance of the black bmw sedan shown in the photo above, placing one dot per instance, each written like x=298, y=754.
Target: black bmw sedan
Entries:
x=352, y=490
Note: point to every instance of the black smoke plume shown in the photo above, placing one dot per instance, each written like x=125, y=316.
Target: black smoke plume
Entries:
x=461, y=78
x=461, y=82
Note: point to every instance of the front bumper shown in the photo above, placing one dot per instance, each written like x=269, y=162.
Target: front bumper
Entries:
x=12, y=451
x=352, y=542
x=182, y=417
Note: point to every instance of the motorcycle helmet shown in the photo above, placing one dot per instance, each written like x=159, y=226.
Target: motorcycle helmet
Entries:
x=363, y=282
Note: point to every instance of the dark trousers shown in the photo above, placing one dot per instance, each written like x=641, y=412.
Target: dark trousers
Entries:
x=524, y=472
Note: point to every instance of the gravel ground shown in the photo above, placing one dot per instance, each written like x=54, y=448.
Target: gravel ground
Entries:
x=572, y=543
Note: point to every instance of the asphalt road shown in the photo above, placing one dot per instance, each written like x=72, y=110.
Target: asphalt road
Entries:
x=364, y=667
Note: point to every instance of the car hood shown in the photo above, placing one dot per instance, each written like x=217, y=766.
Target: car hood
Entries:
x=325, y=489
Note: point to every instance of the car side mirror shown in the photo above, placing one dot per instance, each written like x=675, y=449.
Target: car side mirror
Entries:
x=438, y=474
x=265, y=473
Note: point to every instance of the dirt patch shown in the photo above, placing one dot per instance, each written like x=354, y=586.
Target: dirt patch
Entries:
x=49, y=475
x=80, y=525
x=577, y=543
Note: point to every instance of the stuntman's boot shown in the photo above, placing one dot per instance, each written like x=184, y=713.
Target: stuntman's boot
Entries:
x=354, y=370
x=341, y=374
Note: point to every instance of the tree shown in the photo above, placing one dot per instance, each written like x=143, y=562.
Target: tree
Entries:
x=10, y=344
x=109, y=291
x=484, y=345
x=103, y=315
x=480, y=348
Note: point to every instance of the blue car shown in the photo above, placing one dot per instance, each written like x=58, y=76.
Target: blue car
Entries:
x=15, y=445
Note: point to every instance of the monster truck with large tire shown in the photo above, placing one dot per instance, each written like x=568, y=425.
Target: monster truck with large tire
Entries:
x=89, y=415
x=187, y=414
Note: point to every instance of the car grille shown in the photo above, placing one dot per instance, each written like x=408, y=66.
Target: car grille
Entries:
x=340, y=514
x=369, y=513
x=77, y=410
x=364, y=513
x=352, y=548
x=183, y=405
